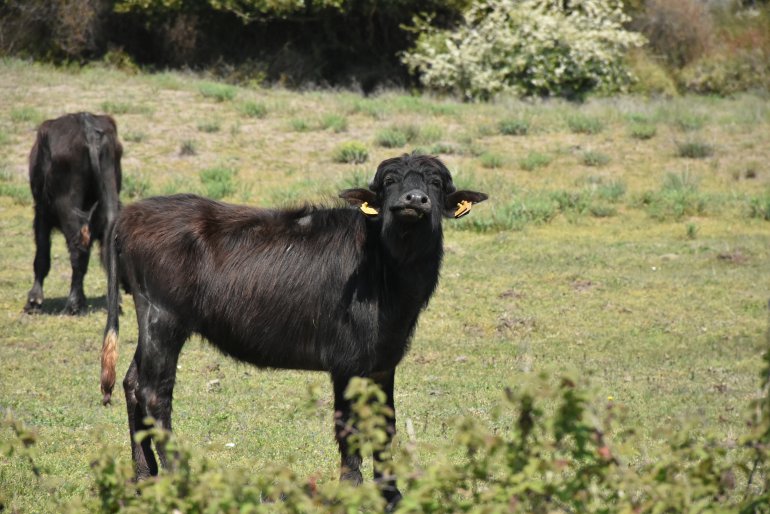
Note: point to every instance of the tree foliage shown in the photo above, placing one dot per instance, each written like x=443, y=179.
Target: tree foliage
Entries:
x=527, y=47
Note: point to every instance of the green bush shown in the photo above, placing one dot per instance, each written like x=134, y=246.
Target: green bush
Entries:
x=396, y=137
x=759, y=206
x=550, y=448
x=527, y=47
x=678, y=197
x=135, y=186
x=728, y=73
x=335, y=122
x=651, y=78
x=351, y=152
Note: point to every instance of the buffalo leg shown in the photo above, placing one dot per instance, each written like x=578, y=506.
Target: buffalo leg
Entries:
x=161, y=337
x=80, y=252
x=42, y=263
x=385, y=480
x=350, y=469
x=144, y=460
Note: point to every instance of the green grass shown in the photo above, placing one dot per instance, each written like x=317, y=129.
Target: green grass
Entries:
x=568, y=268
x=643, y=131
x=25, y=114
x=514, y=127
x=218, y=182
x=188, y=147
x=352, y=152
x=534, y=160
x=335, y=122
x=594, y=158
x=492, y=160
x=584, y=124
x=396, y=136
x=694, y=149
x=253, y=109
x=209, y=126
x=217, y=92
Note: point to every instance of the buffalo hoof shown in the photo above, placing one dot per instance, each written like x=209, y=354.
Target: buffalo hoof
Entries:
x=74, y=307
x=34, y=306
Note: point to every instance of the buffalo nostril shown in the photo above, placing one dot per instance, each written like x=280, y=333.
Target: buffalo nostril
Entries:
x=408, y=198
x=424, y=199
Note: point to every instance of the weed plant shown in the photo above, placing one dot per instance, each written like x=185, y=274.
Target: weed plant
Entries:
x=135, y=187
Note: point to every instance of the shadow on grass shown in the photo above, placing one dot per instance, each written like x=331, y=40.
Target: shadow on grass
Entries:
x=55, y=306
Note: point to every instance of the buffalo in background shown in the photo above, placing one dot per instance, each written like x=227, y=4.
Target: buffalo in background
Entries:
x=75, y=176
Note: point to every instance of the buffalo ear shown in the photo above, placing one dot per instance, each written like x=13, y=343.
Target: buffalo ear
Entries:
x=459, y=203
x=359, y=196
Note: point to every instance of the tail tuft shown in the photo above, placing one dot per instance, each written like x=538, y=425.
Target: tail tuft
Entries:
x=109, y=360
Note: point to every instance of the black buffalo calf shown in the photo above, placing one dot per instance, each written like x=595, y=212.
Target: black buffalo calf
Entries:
x=336, y=290
x=74, y=173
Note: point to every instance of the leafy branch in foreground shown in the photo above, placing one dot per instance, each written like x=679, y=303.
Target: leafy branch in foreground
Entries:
x=548, y=449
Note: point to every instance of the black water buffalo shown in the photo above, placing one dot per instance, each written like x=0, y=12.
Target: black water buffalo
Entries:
x=74, y=173
x=336, y=290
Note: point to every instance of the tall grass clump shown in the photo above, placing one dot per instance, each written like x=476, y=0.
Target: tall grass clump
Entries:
x=217, y=92
x=209, y=126
x=18, y=192
x=253, y=109
x=26, y=114
x=492, y=160
x=218, y=182
x=583, y=124
x=530, y=209
x=678, y=197
x=351, y=152
x=336, y=122
x=643, y=131
x=188, y=147
x=134, y=187
x=694, y=149
x=759, y=206
x=396, y=136
x=534, y=160
x=594, y=158
x=514, y=127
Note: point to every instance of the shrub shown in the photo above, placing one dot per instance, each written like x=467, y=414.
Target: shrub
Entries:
x=218, y=182
x=651, y=78
x=727, y=73
x=527, y=47
x=351, y=152
x=534, y=160
x=679, y=31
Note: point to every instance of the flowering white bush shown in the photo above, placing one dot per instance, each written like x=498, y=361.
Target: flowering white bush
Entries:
x=528, y=47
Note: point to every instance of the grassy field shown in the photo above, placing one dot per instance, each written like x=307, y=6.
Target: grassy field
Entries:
x=625, y=239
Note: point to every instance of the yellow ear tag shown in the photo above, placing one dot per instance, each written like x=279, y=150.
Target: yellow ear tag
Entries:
x=369, y=211
x=463, y=208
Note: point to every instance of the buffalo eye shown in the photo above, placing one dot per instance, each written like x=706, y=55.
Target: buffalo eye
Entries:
x=436, y=183
x=389, y=181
